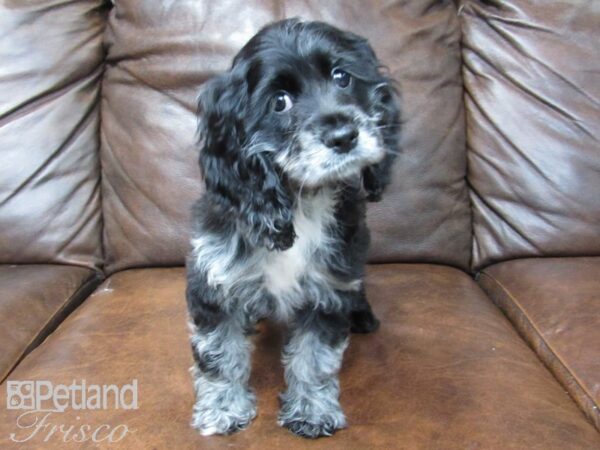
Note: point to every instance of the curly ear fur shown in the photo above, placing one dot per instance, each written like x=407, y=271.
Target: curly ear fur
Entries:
x=377, y=176
x=245, y=184
x=385, y=104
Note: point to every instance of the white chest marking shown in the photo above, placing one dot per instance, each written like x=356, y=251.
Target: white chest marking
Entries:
x=282, y=271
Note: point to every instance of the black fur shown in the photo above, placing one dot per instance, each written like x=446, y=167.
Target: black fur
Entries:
x=234, y=107
x=294, y=82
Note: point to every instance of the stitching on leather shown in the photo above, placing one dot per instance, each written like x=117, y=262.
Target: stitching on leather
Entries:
x=549, y=348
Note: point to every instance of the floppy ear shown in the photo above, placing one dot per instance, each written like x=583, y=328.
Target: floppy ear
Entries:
x=385, y=100
x=245, y=184
x=384, y=108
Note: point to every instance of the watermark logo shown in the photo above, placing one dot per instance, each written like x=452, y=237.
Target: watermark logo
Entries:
x=20, y=395
x=40, y=401
x=43, y=395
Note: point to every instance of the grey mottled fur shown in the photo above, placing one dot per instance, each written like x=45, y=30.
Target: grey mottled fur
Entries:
x=310, y=406
x=296, y=279
x=224, y=401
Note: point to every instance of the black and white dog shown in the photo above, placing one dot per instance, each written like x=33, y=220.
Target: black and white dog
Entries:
x=295, y=138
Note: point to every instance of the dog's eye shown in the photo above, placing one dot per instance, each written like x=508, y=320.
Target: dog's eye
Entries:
x=341, y=77
x=282, y=102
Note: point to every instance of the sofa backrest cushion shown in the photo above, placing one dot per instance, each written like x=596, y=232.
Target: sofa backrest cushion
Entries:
x=160, y=53
x=532, y=81
x=51, y=59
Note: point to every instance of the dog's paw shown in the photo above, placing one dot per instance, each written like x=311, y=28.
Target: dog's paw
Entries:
x=224, y=419
x=363, y=321
x=283, y=238
x=312, y=420
x=372, y=185
x=310, y=430
x=276, y=234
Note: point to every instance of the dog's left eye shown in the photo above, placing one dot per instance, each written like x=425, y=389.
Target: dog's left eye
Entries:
x=282, y=102
x=341, y=77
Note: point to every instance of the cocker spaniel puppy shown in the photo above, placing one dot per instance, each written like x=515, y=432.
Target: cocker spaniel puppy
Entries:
x=295, y=138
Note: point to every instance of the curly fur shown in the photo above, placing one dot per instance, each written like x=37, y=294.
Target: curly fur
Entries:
x=294, y=140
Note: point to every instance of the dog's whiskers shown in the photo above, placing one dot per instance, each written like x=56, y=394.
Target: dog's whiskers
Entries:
x=382, y=127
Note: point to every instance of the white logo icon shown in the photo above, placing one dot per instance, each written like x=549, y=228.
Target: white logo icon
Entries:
x=20, y=395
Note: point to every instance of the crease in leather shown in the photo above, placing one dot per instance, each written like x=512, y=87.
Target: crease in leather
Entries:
x=60, y=5
x=459, y=112
x=474, y=243
x=519, y=88
x=98, y=187
x=161, y=91
x=537, y=60
x=73, y=301
x=494, y=231
x=524, y=88
x=112, y=263
x=497, y=53
x=592, y=413
x=87, y=216
x=465, y=93
x=519, y=24
x=43, y=98
x=78, y=128
x=496, y=126
x=487, y=200
x=126, y=177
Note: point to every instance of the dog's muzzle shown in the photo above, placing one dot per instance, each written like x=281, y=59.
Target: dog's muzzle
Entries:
x=338, y=132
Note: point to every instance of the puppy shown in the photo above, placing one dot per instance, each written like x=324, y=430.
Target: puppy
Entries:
x=295, y=138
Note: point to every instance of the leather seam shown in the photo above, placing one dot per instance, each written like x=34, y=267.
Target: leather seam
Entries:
x=90, y=282
x=551, y=349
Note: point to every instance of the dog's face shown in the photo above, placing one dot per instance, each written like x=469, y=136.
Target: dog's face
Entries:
x=304, y=105
x=316, y=99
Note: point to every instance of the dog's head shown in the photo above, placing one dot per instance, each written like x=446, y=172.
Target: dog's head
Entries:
x=304, y=105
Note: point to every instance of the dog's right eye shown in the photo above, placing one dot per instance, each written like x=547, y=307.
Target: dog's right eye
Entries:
x=282, y=102
x=341, y=77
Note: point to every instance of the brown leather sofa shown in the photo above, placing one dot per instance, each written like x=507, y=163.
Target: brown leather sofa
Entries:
x=486, y=250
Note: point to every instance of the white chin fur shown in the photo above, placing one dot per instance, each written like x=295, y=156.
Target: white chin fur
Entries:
x=315, y=164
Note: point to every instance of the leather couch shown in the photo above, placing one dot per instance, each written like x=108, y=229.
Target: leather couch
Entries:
x=485, y=261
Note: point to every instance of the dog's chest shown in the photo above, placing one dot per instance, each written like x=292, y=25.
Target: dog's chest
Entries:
x=284, y=271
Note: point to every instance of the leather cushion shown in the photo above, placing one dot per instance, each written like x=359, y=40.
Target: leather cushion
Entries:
x=50, y=72
x=555, y=304
x=532, y=79
x=160, y=53
x=34, y=299
x=445, y=370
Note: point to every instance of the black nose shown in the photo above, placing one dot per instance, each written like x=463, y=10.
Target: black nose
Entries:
x=341, y=139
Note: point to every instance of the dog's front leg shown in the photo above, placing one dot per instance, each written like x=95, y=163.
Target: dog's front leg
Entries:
x=362, y=319
x=224, y=403
x=312, y=358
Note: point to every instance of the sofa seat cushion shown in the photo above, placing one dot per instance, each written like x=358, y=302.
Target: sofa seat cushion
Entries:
x=33, y=300
x=555, y=304
x=445, y=370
